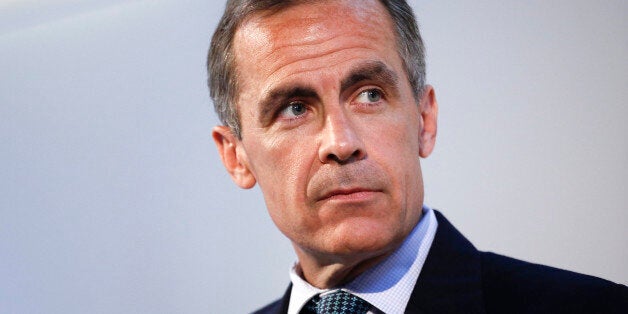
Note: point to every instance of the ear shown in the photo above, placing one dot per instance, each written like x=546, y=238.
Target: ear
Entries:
x=233, y=156
x=429, y=115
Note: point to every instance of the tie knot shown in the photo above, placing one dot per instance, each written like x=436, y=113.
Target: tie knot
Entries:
x=337, y=302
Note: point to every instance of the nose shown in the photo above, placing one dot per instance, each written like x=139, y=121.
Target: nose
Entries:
x=340, y=143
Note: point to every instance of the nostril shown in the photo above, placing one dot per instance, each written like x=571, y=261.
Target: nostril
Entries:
x=357, y=154
x=348, y=158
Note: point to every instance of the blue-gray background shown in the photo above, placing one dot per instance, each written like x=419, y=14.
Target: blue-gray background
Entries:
x=113, y=199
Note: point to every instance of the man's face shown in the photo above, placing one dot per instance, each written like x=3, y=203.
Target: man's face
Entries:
x=331, y=130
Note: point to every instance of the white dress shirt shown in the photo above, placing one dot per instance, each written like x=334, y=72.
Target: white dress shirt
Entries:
x=389, y=284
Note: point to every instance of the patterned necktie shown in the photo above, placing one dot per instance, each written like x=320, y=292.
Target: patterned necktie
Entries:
x=336, y=302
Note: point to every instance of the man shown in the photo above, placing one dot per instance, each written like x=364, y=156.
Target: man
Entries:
x=325, y=106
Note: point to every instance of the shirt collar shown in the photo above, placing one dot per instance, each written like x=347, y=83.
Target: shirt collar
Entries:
x=388, y=285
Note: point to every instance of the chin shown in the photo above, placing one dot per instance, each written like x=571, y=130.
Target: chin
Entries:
x=367, y=238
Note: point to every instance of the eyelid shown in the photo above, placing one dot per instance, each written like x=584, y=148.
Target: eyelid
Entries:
x=369, y=88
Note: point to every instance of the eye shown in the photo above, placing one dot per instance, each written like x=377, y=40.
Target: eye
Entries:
x=294, y=110
x=369, y=96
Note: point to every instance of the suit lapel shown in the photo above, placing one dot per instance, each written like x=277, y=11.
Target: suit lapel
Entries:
x=282, y=307
x=450, y=280
x=279, y=306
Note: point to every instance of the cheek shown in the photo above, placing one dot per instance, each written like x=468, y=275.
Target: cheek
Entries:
x=396, y=149
x=282, y=167
x=399, y=146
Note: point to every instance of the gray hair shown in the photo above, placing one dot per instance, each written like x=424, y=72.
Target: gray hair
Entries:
x=221, y=67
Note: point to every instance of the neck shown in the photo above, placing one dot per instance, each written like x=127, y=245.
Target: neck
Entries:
x=335, y=272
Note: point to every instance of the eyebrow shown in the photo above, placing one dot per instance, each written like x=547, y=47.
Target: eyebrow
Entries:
x=375, y=71
x=371, y=71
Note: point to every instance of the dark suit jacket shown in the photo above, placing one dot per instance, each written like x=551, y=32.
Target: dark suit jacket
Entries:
x=457, y=278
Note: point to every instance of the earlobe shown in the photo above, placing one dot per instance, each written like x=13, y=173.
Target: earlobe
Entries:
x=429, y=114
x=233, y=157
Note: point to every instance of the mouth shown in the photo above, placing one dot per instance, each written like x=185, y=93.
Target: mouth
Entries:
x=353, y=194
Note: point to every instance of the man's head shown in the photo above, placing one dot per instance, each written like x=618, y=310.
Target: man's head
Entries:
x=331, y=128
x=223, y=83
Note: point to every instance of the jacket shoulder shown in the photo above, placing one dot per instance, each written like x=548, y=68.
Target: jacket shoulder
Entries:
x=515, y=286
x=271, y=308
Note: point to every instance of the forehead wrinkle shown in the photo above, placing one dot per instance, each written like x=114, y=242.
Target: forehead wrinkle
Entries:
x=320, y=47
x=330, y=54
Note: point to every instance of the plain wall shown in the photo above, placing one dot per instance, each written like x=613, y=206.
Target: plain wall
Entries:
x=113, y=198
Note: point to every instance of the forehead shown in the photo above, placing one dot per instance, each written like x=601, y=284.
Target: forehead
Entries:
x=310, y=17
x=321, y=32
